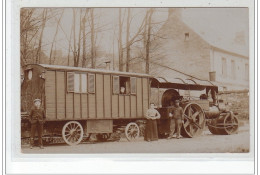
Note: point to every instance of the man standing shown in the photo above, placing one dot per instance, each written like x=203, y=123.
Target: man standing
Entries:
x=37, y=118
x=151, y=132
x=177, y=119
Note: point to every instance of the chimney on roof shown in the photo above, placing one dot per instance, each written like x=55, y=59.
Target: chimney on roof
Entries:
x=108, y=64
x=175, y=12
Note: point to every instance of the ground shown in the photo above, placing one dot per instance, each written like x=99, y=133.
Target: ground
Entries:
x=206, y=143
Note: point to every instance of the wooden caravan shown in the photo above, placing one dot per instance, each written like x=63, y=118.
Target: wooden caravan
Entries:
x=94, y=100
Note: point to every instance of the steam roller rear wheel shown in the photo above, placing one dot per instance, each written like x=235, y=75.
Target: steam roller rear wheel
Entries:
x=194, y=120
x=227, y=124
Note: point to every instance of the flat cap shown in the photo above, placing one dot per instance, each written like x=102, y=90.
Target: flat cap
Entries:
x=35, y=100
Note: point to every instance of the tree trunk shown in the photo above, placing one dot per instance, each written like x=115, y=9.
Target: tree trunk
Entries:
x=92, y=38
x=74, y=38
x=120, y=50
x=127, y=41
x=84, y=57
x=69, y=46
x=79, y=43
x=147, y=67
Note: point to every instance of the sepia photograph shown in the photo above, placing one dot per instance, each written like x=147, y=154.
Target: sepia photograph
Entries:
x=134, y=80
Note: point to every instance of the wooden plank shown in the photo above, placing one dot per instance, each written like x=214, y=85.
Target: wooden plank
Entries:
x=99, y=95
x=84, y=104
x=133, y=106
x=121, y=106
x=69, y=106
x=92, y=105
x=145, y=95
x=77, y=106
x=50, y=95
x=139, y=97
x=60, y=95
x=65, y=92
x=107, y=96
x=115, y=106
x=127, y=106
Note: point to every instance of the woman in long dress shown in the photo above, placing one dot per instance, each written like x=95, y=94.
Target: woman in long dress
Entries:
x=151, y=132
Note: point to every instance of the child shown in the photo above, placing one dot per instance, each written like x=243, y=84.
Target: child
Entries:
x=37, y=119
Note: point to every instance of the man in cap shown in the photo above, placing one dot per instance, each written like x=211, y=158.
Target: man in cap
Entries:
x=177, y=117
x=37, y=118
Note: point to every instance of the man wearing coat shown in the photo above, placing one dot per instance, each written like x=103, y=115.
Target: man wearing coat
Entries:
x=37, y=118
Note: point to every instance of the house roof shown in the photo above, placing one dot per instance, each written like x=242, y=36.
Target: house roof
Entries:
x=222, y=44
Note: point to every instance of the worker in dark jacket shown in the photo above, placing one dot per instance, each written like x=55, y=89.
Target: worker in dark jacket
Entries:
x=37, y=118
x=176, y=115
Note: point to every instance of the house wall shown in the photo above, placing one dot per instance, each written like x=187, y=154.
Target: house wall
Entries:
x=228, y=81
x=188, y=54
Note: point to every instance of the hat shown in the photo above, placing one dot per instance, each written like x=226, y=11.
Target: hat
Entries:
x=35, y=100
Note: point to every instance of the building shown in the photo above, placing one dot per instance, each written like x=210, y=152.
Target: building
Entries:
x=191, y=53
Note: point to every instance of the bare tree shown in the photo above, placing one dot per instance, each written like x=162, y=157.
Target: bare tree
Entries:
x=147, y=67
x=132, y=40
x=84, y=56
x=120, y=50
x=44, y=17
x=55, y=35
x=92, y=26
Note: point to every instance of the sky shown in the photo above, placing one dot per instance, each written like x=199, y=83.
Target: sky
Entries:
x=219, y=24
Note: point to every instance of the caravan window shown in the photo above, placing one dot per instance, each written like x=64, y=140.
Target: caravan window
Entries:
x=77, y=82
x=91, y=83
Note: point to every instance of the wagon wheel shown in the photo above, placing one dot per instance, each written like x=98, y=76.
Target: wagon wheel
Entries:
x=132, y=131
x=72, y=133
x=194, y=120
x=228, y=124
x=103, y=137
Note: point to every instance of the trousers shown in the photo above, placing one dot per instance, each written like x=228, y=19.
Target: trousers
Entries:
x=175, y=125
x=39, y=127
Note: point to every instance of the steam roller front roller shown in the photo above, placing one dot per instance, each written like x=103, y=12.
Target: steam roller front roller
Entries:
x=226, y=124
x=194, y=120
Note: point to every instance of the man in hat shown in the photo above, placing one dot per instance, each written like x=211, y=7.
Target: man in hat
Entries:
x=37, y=118
x=177, y=118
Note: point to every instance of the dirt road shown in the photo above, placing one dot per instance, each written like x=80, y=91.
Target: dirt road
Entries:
x=206, y=143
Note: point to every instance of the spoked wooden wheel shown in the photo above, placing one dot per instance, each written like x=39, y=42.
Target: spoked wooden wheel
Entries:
x=72, y=133
x=194, y=120
x=132, y=131
x=227, y=124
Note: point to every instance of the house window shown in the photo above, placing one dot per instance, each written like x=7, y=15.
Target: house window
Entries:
x=187, y=36
x=91, y=83
x=116, y=84
x=233, y=69
x=246, y=72
x=76, y=82
x=133, y=85
x=224, y=67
